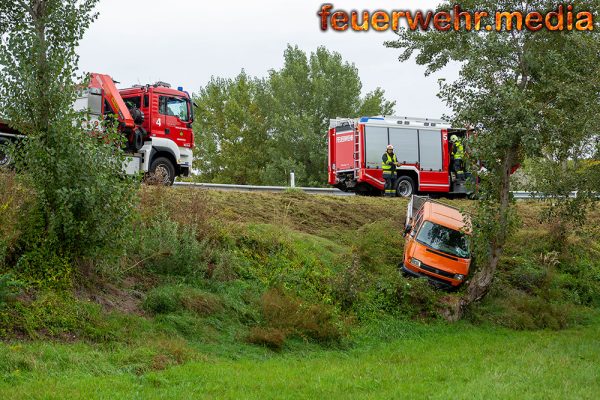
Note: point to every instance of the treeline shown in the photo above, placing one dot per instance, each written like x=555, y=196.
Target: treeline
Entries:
x=253, y=130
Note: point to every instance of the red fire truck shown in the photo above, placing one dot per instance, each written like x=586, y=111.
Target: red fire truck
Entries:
x=156, y=119
x=421, y=145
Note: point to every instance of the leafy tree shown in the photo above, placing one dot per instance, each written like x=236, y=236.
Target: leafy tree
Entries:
x=233, y=130
x=83, y=198
x=306, y=92
x=527, y=91
x=256, y=131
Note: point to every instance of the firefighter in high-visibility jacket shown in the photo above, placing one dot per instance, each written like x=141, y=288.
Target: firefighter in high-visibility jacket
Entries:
x=458, y=155
x=388, y=165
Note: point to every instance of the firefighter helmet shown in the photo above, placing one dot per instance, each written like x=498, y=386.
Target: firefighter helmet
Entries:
x=390, y=147
x=454, y=138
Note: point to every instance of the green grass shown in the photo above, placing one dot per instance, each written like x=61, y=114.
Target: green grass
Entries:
x=393, y=359
x=207, y=273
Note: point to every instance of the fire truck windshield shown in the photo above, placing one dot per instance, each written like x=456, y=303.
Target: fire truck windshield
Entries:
x=444, y=239
x=178, y=107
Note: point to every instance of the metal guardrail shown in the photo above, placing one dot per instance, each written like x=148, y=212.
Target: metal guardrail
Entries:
x=519, y=195
x=252, y=188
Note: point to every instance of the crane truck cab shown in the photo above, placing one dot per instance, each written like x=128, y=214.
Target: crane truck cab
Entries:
x=437, y=243
x=155, y=119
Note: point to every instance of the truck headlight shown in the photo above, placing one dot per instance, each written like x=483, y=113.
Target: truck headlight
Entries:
x=459, y=277
x=415, y=262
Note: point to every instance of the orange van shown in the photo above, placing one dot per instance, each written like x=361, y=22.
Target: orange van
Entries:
x=437, y=243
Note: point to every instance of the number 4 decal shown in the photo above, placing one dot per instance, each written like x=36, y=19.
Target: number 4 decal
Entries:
x=158, y=122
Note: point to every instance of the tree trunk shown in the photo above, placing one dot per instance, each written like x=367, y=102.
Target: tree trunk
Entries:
x=482, y=280
x=38, y=13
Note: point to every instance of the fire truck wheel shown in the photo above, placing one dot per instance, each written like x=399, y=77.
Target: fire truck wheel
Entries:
x=162, y=171
x=405, y=186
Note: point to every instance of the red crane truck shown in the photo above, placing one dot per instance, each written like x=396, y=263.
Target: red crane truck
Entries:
x=421, y=145
x=156, y=119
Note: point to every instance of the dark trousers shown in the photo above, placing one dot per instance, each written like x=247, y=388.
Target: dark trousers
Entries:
x=390, y=179
x=458, y=169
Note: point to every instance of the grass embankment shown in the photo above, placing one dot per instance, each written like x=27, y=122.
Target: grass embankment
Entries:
x=241, y=292
x=391, y=360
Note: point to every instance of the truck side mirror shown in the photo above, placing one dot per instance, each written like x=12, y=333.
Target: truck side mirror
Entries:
x=407, y=229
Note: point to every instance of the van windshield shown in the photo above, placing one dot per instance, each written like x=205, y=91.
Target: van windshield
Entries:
x=444, y=239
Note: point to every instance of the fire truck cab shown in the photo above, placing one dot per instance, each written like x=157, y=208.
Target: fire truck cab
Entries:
x=155, y=119
x=422, y=147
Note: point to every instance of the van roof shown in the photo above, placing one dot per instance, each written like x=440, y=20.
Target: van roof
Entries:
x=447, y=216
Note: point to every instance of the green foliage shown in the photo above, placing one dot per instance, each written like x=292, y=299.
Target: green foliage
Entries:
x=170, y=299
x=285, y=315
x=43, y=267
x=518, y=310
x=163, y=246
x=53, y=314
x=13, y=204
x=232, y=118
x=557, y=177
x=84, y=201
x=380, y=245
x=299, y=262
x=9, y=288
x=255, y=131
x=38, y=59
x=517, y=88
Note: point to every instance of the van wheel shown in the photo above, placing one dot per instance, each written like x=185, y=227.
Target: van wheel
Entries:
x=162, y=172
x=405, y=187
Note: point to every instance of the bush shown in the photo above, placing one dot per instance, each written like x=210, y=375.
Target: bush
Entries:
x=524, y=312
x=13, y=203
x=171, y=299
x=9, y=288
x=163, y=246
x=285, y=315
x=86, y=200
x=420, y=299
x=42, y=267
x=55, y=315
x=273, y=338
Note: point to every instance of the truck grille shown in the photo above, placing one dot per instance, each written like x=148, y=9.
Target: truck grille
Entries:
x=437, y=271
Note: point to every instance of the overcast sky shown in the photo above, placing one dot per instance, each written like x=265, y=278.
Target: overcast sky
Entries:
x=185, y=42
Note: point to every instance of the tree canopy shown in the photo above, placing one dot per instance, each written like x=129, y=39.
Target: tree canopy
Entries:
x=528, y=93
x=255, y=131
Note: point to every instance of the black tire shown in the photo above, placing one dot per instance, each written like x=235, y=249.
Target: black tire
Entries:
x=162, y=171
x=405, y=186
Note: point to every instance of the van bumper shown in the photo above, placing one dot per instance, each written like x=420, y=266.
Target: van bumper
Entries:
x=438, y=282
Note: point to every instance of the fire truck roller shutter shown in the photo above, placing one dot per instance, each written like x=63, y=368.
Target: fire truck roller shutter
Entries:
x=406, y=144
x=430, y=148
x=376, y=140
